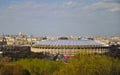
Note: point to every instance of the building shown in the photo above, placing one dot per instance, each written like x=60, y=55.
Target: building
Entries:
x=70, y=47
x=115, y=40
x=3, y=41
x=14, y=51
x=10, y=40
x=20, y=39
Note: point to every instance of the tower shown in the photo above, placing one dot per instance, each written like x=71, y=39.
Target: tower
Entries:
x=20, y=34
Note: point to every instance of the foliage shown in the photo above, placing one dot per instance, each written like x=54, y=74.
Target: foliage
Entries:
x=77, y=65
x=12, y=69
x=90, y=65
x=40, y=66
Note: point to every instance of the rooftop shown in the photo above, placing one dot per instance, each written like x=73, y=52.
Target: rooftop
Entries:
x=70, y=42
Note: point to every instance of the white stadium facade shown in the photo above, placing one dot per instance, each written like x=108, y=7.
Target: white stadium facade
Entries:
x=70, y=47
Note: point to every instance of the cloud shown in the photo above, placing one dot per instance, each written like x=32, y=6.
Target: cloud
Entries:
x=70, y=3
x=113, y=1
x=27, y=5
x=30, y=9
x=111, y=6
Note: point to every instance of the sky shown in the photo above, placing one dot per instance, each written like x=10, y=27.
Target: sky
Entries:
x=60, y=17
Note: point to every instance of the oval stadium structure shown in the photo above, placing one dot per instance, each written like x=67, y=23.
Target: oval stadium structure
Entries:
x=70, y=47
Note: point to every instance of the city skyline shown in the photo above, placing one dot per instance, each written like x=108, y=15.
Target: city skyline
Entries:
x=60, y=17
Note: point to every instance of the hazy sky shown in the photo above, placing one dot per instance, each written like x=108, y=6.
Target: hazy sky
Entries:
x=60, y=17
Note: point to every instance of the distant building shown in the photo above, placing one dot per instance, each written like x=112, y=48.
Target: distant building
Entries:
x=20, y=39
x=10, y=40
x=31, y=40
x=14, y=51
x=109, y=40
x=3, y=41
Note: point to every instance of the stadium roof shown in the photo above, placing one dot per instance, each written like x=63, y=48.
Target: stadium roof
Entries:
x=69, y=42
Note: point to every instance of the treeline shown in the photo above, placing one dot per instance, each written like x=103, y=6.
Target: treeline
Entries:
x=78, y=65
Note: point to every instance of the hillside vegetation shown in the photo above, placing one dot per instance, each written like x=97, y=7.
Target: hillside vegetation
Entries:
x=78, y=65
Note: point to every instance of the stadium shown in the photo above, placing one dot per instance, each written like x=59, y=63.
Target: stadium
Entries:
x=70, y=47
